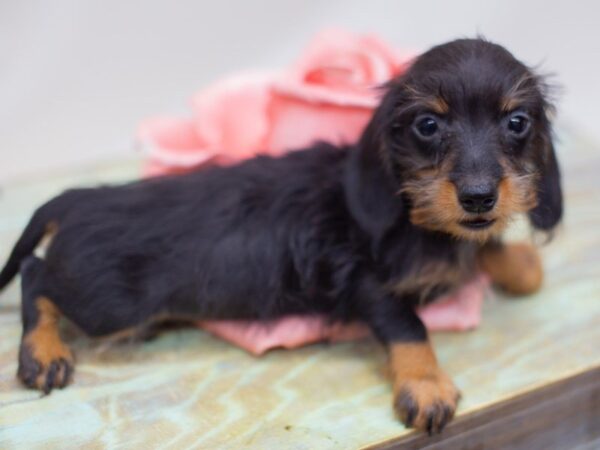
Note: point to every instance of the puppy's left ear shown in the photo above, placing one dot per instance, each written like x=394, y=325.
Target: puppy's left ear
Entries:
x=549, y=209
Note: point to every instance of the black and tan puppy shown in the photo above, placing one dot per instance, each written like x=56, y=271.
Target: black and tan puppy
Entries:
x=460, y=143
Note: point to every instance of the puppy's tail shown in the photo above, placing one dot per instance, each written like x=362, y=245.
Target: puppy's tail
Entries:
x=39, y=225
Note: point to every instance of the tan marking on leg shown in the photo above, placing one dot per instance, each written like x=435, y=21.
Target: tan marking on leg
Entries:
x=516, y=268
x=44, y=339
x=424, y=396
x=46, y=348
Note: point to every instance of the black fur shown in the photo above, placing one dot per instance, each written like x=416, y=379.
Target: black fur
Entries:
x=268, y=237
x=322, y=230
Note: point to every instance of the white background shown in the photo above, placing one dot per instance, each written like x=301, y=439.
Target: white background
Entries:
x=77, y=76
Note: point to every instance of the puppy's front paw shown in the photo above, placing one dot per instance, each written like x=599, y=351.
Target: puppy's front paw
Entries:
x=516, y=268
x=427, y=403
x=45, y=365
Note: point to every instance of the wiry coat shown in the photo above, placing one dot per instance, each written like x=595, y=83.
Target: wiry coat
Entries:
x=460, y=143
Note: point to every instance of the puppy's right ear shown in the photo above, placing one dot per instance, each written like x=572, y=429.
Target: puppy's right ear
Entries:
x=369, y=187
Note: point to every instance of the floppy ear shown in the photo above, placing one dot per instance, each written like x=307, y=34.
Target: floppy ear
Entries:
x=548, y=211
x=371, y=187
x=370, y=190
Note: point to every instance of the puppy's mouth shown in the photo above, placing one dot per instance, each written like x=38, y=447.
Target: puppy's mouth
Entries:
x=478, y=223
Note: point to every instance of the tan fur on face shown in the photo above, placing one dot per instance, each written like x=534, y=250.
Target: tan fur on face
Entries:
x=437, y=104
x=434, y=103
x=518, y=94
x=436, y=206
x=510, y=104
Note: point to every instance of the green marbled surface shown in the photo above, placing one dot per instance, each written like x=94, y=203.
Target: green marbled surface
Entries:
x=187, y=389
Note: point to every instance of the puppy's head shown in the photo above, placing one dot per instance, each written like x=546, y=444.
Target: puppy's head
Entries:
x=466, y=137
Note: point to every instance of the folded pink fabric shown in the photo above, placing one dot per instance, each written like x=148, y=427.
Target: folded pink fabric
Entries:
x=328, y=94
x=460, y=311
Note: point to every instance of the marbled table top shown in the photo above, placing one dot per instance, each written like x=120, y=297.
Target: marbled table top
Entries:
x=186, y=389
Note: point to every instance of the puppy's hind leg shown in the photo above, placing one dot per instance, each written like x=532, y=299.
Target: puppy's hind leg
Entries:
x=45, y=362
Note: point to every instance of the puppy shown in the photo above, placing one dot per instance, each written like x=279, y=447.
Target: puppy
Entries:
x=460, y=143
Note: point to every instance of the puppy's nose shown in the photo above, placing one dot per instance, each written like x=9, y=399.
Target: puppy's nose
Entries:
x=478, y=198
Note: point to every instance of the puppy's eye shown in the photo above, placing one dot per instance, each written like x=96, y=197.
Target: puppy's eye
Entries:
x=426, y=126
x=518, y=124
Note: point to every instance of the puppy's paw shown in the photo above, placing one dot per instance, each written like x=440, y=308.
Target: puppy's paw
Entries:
x=45, y=366
x=426, y=403
x=515, y=268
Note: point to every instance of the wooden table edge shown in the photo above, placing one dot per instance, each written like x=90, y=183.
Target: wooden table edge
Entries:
x=562, y=414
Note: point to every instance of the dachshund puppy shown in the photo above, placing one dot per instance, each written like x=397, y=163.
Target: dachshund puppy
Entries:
x=460, y=143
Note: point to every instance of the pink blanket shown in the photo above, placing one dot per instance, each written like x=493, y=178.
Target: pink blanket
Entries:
x=329, y=94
